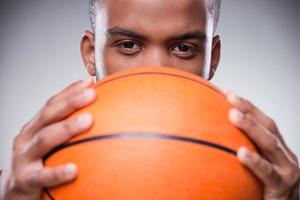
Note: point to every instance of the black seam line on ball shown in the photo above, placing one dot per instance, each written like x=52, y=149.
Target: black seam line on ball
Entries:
x=143, y=136
x=139, y=136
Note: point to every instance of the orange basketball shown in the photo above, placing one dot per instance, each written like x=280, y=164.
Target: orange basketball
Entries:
x=159, y=134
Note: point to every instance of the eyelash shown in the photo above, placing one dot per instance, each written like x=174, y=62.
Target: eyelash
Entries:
x=192, y=49
x=191, y=52
x=128, y=51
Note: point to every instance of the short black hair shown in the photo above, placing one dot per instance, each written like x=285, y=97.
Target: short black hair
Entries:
x=92, y=12
x=214, y=9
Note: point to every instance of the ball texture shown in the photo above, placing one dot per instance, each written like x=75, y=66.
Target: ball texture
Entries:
x=158, y=133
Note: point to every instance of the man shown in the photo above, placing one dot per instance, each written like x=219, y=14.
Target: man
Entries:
x=177, y=33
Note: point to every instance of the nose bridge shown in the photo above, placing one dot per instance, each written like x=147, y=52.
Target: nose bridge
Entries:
x=156, y=56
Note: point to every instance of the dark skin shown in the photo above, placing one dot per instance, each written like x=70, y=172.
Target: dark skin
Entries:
x=184, y=41
x=145, y=33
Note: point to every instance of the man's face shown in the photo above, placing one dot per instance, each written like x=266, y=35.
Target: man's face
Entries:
x=173, y=33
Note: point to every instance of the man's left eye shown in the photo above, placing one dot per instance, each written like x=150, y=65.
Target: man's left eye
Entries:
x=184, y=50
x=128, y=47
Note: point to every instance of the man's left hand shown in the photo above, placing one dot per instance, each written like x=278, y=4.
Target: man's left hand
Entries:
x=276, y=165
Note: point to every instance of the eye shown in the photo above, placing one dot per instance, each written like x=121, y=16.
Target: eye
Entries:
x=184, y=50
x=129, y=47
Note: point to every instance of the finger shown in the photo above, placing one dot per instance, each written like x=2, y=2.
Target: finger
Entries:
x=72, y=97
x=247, y=107
x=270, y=146
x=76, y=86
x=51, y=136
x=59, y=108
x=36, y=123
x=260, y=167
x=31, y=126
x=50, y=177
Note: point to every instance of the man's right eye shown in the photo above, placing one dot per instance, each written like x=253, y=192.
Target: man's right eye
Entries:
x=128, y=47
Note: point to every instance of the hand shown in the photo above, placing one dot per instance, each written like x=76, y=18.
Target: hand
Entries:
x=48, y=129
x=277, y=167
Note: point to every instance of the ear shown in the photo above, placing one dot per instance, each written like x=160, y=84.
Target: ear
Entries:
x=215, y=56
x=87, y=50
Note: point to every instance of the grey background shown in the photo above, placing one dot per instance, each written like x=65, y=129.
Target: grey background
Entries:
x=39, y=55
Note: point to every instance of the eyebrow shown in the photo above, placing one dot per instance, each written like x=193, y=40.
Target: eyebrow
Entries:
x=125, y=32
x=199, y=35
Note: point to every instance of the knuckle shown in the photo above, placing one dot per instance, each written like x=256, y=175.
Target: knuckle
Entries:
x=248, y=105
x=293, y=175
x=16, y=143
x=270, y=124
x=295, y=158
x=268, y=170
x=68, y=126
x=250, y=124
x=73, y=101
x=18, y=138
x=255, y=159
x=263, y=165
x=39, y=141
x=25, y=127
x=56, y=176
x=50, y=101
x=44, y=114
x=271, y=146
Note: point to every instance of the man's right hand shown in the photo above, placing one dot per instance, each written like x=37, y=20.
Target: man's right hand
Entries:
x=48, y=129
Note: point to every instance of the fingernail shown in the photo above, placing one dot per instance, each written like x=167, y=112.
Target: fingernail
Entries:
x=70, y=169
x=88, y=94
x=243, y=153
x=84, y=119
x=235, y=115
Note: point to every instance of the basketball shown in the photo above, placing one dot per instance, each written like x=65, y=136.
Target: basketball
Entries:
x=159, y=133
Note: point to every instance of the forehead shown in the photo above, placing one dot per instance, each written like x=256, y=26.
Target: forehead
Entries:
x=157, y=15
